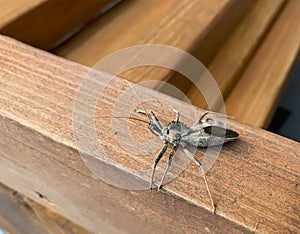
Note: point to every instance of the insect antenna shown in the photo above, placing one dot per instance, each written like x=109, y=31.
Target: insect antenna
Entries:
x=139, y=111
x=121, y=117
x=129, y=117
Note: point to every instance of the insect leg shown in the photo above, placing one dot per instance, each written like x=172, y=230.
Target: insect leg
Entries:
x=206, y=184
x=203, y=115
x=155, y=120
x=174, y=148
x=177, y=115
x=215, y=113
x=160, y=154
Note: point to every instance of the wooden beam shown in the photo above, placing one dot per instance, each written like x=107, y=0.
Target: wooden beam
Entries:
x=46, y=24
x=254, y=181
x=18, y=214
x=198, y=27
x=254, y=98
x=11, y=10
x=230, y=61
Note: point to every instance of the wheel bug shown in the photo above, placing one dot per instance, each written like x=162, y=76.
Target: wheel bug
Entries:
x=204, y=133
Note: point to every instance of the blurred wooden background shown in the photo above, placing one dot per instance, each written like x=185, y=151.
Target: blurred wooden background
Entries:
x=248, y=46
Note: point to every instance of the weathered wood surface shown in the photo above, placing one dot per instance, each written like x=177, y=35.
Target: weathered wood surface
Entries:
x=18, y=214
x=255, y=180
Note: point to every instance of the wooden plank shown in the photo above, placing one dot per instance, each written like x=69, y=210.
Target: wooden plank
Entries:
x=197, y=26
x=45, y=24
x=254, y=98
x=11, y=10
x=19, y=214
x=236, y=52
x=50, y=165
x=254, y=181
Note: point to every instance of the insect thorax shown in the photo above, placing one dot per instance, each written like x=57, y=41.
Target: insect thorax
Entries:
x=174, y=130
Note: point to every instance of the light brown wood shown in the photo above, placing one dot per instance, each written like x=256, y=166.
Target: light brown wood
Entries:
x=254, y=98
x=11, y=10
x=45, y=24
x=39, y=156
x=187, y=25
x=254, y=181
x=236, y=52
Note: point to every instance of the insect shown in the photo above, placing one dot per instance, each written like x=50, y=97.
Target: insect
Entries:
x=204, y=133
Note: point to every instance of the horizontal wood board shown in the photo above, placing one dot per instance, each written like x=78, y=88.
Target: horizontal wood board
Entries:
x=18, y=214
x=255, y=180
x=199, y=27
x=235, y=54
x=261, y=84
x=46, y=24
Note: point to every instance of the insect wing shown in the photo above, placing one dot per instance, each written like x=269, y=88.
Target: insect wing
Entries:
x=221, y=132
x=219, y=129
x=197, y=138
x=209, y=133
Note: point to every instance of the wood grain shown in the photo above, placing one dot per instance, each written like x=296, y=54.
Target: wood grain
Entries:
x=254, y=181
x=193, y=26
x=254, y=98
x=233, y=57
x=45, y=24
